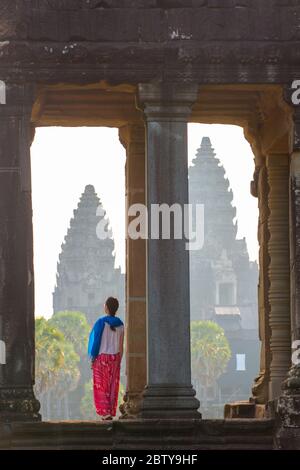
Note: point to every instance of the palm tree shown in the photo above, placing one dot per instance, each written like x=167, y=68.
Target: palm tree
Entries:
x=75, y=328
x=210, y=352
x=57, y=371
x=49, y=355
x=68, y=376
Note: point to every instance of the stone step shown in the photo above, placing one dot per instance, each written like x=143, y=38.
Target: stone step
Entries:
x=145, y=434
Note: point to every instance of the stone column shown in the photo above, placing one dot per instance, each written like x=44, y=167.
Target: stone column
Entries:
x=279, y=270
x=255, y=407
x=260, y=389
x=17, y=401
x=132, y=137
x=169, y=393
x=288, y=408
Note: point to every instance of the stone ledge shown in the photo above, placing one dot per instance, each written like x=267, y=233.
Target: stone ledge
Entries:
x=244, y=409
x=140, y=434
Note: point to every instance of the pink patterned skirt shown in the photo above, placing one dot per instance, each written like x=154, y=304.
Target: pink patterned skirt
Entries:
x=106, y=377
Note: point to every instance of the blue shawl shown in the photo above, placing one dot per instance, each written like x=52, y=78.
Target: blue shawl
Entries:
x=96, y=333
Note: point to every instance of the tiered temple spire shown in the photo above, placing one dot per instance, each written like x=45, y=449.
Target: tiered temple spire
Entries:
x=223, y=282
x=86, y=272
x=208, y=185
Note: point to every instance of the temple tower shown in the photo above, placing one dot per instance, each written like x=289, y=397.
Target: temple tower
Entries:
x=221, y=273
x=86, y=273
x=223, y=282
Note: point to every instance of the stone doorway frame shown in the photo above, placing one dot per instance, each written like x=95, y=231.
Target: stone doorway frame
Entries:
x=268, y=125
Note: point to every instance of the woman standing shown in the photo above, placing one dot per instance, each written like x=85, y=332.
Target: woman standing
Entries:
x=106, y=351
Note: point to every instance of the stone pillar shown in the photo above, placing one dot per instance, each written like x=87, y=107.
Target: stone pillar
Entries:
x=279, y=270
x=260, y=388
x=288, y=407
x=132, y=137
x=17, y=401
x=255, y=407
x=169, y=393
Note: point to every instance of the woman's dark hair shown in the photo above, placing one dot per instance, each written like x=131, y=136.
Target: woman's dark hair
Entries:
x=112, y=304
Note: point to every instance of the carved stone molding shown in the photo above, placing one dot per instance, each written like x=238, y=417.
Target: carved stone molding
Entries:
x=78, y=61
x=279, y=271
x=288, y=405
x=260, y=388
x=291, y=385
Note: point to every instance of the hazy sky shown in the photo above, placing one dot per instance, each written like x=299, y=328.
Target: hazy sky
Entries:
x=65, y=160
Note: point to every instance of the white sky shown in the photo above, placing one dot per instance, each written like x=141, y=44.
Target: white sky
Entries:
x=65, y=160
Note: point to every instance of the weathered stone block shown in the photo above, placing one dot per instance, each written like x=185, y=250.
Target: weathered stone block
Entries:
x=128, y=25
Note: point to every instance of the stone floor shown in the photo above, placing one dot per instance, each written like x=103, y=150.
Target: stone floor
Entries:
x=140, y=434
